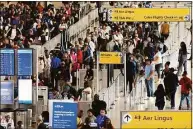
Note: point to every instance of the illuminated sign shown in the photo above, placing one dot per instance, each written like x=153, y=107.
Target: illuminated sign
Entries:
x=110, y=58
x=7, y=59
x=153, y=120
x=149, y=14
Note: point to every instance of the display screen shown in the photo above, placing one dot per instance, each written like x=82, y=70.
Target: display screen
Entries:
x=25, y=91
x=7, y=57
x=7, y=92
x=25, y=62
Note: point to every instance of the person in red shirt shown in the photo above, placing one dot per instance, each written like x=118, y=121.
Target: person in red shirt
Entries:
x=186, y=86
x=79, y=56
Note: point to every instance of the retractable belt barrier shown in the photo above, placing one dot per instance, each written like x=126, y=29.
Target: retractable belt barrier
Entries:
x=111, y=94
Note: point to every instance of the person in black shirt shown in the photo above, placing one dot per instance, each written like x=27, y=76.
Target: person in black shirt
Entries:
x=97, y=105
x=40, y=123
x=160, y=93
x=89, y=77
x=172, y=80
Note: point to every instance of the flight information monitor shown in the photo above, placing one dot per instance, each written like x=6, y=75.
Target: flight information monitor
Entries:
x=7, y=64
x=24, y=62
x=7, y=92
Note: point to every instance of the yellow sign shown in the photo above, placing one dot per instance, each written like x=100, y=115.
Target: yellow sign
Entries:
x=156, y=120
x=110, y=58
x=150, y=14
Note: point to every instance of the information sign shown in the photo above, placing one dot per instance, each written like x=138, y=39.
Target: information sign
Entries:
x=7, y=92
x=7, y=62
x=110, y=58
x=149, y=14
x=64, y=115
x=25, y=62
x=155, y=119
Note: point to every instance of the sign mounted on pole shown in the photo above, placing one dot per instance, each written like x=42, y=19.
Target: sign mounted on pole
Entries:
x=110, y=58
x=149, y=14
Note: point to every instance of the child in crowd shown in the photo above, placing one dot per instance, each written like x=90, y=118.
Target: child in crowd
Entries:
x=160, y=94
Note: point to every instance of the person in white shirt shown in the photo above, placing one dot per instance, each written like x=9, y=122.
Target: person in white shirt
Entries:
x=87, y=92
x=41, y=64
x=131, y=46
x=8, y=122
x=120, y=37
x=158, y=62
x=92, y=46
x=63, y=25
x=104, y=31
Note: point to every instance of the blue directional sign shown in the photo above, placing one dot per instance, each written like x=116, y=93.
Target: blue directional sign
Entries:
x=7, y=62
x=7, y=92
x=25, y=62
x=64, y=115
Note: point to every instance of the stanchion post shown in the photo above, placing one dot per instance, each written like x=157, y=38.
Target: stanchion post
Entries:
x=142, y=95
x=77, y=79
x=125, y=82
x=97, y=61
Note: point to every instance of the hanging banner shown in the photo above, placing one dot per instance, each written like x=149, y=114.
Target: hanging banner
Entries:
x=110, y=58
x=156, y=119
x=150, y=14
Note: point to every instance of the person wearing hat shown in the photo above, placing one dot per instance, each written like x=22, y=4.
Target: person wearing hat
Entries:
x=149, y=73
x=186, y=87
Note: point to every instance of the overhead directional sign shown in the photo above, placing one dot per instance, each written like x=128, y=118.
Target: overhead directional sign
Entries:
x=110, y=58
x=155, y=119
x=149, y=14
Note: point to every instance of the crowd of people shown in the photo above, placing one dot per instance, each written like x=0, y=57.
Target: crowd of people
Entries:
x=143, y=42
x=27, y=23
x=144, y=45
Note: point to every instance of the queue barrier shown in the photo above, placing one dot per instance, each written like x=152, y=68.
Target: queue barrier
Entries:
x=111, y=94
x=138, y=95
x=102, y=79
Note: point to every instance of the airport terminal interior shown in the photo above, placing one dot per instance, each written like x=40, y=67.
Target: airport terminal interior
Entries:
x=95, y=64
